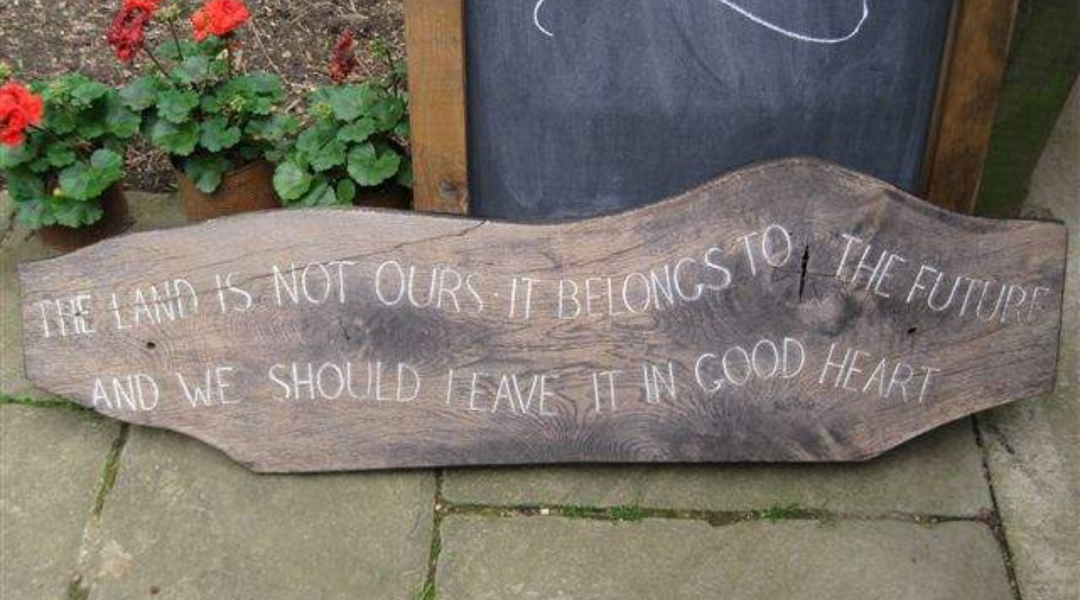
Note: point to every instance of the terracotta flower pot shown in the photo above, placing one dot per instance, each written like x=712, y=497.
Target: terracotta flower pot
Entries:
x=387, y=196
x=115, y=220
x=249, y=188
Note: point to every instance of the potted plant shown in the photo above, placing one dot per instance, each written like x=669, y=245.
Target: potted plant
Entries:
x=215, y=123
x=62, y=145
x=352, y=148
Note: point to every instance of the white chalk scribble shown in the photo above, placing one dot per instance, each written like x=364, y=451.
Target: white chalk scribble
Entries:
x=753, y=18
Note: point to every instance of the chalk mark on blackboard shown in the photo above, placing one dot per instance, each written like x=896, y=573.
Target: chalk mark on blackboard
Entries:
x=753, y=18
x=536, y=18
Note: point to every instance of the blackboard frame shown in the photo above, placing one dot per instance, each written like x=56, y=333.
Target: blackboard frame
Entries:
x=970, y=78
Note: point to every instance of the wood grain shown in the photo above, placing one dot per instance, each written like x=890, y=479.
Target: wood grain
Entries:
x=435, y=45
x=968, y=99
x=354, y=315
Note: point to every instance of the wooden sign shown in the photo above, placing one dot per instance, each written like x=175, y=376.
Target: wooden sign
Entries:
x=792, y=311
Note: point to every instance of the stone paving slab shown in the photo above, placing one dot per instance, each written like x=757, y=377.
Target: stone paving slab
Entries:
x=1034, y=446
x=51, y=462
x=492, y=558
x=183, y=522
x=149, y=211
x=939, y=473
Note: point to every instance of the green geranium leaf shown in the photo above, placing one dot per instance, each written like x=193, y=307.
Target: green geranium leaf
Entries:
x=176, y=105
x=346, y=191
x=170, y=50
x=84, y=180
x=273, y=129
x=206, y=171
x=298, y=158
x=40, y=165
x=86, y=91
x=357, y=132
x=115, y=144
x=321, y=147
x=142, y=93
x=60, y=154
x=255, y=94
x=345, y=101
x=60, y=120
x=91, y=122
x=210, y=104
x=217, y=135
x=274, y=155
x=120, y=120
x=370, y=167
x=402, y=129
x=388, y=111
x=77, y=181
x=107, y=160
x=73, y=213
x=251, y=151
x=193, y=70
x=321, y=194
x=404, y=176
x=24, y=185
x=11, y=157
x=291, y=181
x=174, y=139
x=33, y=213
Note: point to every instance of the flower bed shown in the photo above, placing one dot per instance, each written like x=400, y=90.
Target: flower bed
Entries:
x=213, y=119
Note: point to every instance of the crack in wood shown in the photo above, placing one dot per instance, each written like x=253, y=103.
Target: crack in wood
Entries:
x=802, y=274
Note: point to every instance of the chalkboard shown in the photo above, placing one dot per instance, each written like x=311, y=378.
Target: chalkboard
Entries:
x=583, y=107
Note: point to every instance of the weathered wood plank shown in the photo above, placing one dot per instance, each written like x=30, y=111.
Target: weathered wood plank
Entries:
x=435, y=44
x=665, y=306
x=968, y=101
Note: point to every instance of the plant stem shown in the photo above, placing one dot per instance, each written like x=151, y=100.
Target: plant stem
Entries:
x=176, y=38
x=46, y=132
x=228, y=56
x=159, y=65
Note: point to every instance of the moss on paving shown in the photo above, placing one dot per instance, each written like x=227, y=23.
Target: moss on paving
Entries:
x=630, y=513
x=109, y=471
x=777, y=513
x=76, y=591
x=36, y=403
x=427, y=592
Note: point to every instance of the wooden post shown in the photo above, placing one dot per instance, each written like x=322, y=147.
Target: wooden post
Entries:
x=971, y=80
x=435, y=44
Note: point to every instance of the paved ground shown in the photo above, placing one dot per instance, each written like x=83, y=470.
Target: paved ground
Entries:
x=982, y=509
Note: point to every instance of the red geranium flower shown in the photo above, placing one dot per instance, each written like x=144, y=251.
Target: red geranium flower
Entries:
x=150, y=6
x=128, y=31
x=219, y=17
x=19, y=109
x=343, y=61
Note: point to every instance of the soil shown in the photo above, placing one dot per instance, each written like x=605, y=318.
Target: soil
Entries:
x=46, y=38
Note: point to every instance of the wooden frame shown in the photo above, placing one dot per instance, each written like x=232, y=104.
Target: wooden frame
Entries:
x=970, y=78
